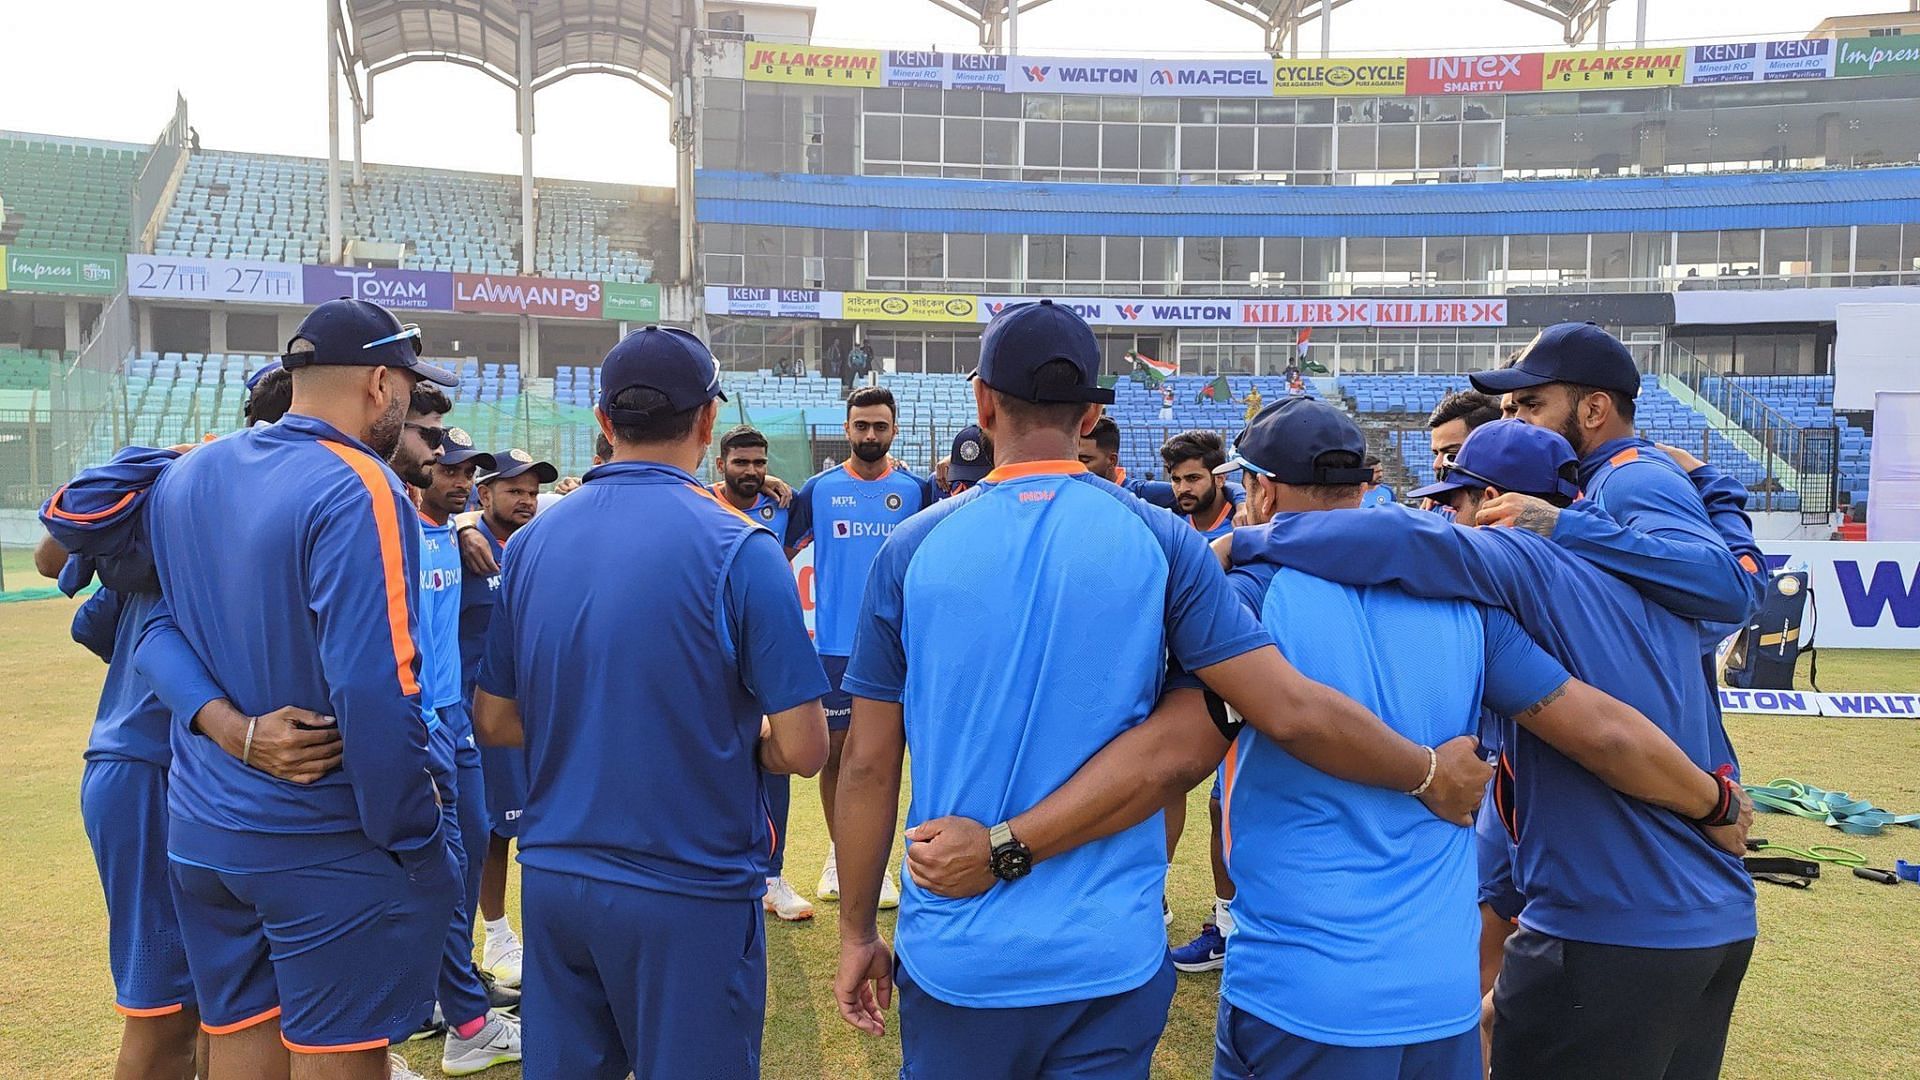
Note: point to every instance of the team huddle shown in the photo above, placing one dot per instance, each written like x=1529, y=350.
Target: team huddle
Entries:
x=1474, y=810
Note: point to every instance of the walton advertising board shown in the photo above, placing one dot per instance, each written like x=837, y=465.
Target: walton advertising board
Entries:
x=1865, y=595
x=174, y=277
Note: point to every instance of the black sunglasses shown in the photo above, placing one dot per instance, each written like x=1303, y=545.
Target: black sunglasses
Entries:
x=432, y=436
x=1449, y=468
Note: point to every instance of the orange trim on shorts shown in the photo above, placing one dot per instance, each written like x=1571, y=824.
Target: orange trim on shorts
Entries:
x=242, y=1025
x=344, y=1048
x=164, y=1010
x=53, y=507
x=386, y=524
x=1226, y=797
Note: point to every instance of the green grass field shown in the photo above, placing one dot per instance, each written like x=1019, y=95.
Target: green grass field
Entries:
x=1830, y=993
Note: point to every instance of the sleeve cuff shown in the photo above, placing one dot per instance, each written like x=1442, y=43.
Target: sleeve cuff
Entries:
x=1220, y=652
x=857, y=687
x=769, y=706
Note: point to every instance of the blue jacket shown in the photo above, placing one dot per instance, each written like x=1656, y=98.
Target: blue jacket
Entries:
x=288, y=558
x=1593, y=865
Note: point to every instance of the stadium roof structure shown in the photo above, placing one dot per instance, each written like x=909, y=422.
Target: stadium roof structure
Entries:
x=526, y=45
x=1281, y=20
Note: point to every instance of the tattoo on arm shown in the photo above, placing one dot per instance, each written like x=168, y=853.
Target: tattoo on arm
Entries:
x=1538, y=517
x=1537, y=707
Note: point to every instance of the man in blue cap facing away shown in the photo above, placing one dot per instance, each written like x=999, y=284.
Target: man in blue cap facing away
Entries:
x=1579, y=381
x=647, y=649
x=304, y=909
x=1637, y=922
x=1060, y=964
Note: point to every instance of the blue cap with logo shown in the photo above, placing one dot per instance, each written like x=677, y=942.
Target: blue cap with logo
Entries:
x=1025, y=337
x=508, y=464
x=661, y=358
x=1568, y=352
x=1285, y=441
x=1510, y=455
x=456, y=448
x=972, y=457
x=361, y=333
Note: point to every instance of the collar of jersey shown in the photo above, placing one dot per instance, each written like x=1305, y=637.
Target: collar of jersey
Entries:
x=1592, y=463
x=640, y=472
x=1025, y=469
x=314, y=428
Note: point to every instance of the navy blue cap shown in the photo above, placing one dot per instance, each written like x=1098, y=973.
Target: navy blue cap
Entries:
x=361, y=333
x=663, y=358
x=262, y=372
x=1510, y=455
x=1023, y=337
x=508, y=464
x=1568, y=352
x=456, y=448
x=972, y=457
x=1285, y=439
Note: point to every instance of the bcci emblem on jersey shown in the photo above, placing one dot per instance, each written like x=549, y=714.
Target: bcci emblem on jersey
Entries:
x=766, y=513
x=893, y=501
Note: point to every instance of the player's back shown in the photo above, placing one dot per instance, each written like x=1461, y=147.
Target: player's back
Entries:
x=641, y=738
x=239, y=526
x=1063, y=583
x=1355, y=918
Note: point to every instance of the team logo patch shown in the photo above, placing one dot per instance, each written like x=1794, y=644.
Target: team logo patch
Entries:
x=766, y=513
x=520, y=456
x=893, y=501
x=459, y=437
x=969, y=451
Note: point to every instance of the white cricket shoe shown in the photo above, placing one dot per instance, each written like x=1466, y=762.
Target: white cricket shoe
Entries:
x=497, y=1043
x=889, y=892
x=501, y=956
x=782, y=901
x=829, y=887
x=397, y=1069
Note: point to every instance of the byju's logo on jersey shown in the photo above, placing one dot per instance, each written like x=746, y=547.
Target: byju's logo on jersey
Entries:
x=855, y=530
x=843, y=529
x=893, y=500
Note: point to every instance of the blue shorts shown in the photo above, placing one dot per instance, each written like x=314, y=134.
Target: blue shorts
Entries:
x=1246, y=1047
x=123, y=805
x=623, y=979
x=837, y=702
x=345, y=954
x=1107, y=1038
x=463, y=821
x=504, y=772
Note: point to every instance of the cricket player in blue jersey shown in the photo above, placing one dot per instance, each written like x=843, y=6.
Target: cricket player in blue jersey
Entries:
x=970, y=461
x=846, y=513
x=509, y=495
x=1100, y=453
x=476, y=1039
x=304, y=908
x=1637, y=924
x=1061, y=967
x=742, y=463
x=648, y=650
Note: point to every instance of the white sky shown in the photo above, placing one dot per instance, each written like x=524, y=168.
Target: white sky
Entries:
x=254, y=71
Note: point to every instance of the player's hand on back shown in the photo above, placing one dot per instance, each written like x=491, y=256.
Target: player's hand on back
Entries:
x=1686, y=461
x=296, y=745
x=950, y=857
x=477, y=553
x=1521, y=512
x=567, y=485
x=1459, y=780
x=779, y=490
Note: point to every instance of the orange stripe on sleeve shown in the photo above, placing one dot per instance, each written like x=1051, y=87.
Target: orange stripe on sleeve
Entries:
x=241, y=1025
x=53, y=507
x=724, y=504
x=1228, y=769
x=393, y=563
x=1631, y=453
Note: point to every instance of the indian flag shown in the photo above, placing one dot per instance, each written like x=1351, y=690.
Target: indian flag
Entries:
x=1156, y=370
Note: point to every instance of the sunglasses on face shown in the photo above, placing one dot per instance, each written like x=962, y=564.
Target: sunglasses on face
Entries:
x=1449, y=468
x=432, y=436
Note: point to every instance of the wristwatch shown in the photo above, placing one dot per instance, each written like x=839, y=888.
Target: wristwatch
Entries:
x=1010, y=860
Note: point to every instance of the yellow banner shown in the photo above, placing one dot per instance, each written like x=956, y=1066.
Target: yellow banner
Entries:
x=812, y=65
x=1311, y=77
x=908, y=307
x=1595, y=70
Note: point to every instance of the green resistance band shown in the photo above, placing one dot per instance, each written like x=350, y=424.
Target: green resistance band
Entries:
x=1855, y=817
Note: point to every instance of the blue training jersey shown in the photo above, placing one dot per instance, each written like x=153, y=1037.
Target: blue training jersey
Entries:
x=1355, y=911
x=1082, y=591
x=645, y=627
x=440, y=616
x=1592, y=864
x=130, y=723
x=847, y=519
x=764, y=511
x=476, y=613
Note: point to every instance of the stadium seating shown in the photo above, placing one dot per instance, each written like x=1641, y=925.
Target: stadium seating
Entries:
x=258, y=206
x=65, y=195
x=1807, y=400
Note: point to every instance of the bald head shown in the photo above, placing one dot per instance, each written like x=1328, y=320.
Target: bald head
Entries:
x=369, y=403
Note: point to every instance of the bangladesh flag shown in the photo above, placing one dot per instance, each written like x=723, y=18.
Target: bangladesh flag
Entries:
x=1217, y=391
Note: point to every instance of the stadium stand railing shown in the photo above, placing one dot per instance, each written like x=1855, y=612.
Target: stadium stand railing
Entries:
x=1802, y=454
